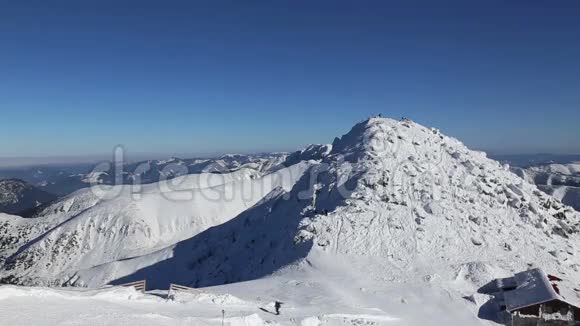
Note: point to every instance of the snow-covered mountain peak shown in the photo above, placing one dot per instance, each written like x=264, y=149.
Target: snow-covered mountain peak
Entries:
x=411, y=196
x=379, y=136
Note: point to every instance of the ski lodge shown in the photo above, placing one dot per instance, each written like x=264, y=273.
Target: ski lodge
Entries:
x=535, y=298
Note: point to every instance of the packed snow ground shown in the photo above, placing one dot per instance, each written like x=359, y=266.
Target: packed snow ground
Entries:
x=308, y=297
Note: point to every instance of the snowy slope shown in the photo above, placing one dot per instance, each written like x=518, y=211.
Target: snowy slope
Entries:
x=307, y=300
x=151, y=171
x=17, y=196
x=100, y=225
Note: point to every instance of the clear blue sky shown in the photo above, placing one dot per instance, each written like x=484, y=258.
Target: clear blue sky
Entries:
x=78, y=77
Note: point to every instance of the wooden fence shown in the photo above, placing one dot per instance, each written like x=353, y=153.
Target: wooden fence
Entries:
x=174, y=288
x=138, y=285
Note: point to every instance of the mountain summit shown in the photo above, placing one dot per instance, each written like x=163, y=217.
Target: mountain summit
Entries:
x=419, y=200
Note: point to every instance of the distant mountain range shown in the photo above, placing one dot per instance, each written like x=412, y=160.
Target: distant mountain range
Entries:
x=65, y=179
x=528, y=160
x=25, y=190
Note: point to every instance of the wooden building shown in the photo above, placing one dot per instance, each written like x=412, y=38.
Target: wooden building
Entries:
x=534, y=298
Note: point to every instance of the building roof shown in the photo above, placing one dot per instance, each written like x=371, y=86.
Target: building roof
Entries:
x=533, y=287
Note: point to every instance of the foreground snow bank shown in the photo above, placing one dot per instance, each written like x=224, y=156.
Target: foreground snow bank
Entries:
x=308, y=300
x=111, y=306
x=110, y=293
x=209, y=298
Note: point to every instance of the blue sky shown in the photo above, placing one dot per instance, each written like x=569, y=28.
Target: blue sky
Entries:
x=78, y=77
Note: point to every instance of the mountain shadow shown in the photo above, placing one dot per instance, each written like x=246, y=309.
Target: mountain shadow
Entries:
x=256, y=243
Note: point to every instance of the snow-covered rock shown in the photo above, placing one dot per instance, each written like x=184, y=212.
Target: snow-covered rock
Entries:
x=313, y=152
x=105, y=224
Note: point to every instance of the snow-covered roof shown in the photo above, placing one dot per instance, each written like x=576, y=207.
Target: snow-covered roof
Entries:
x=533, y=287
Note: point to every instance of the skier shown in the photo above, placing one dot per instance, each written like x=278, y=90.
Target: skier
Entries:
x=277, y=306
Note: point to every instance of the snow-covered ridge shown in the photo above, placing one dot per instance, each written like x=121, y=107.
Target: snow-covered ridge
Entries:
x=562, y=181
x=158, y=170
x=553, y=174
x=100, y=225
x=63, y=180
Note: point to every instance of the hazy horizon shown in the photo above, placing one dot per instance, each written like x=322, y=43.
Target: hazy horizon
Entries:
x=24, y=162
